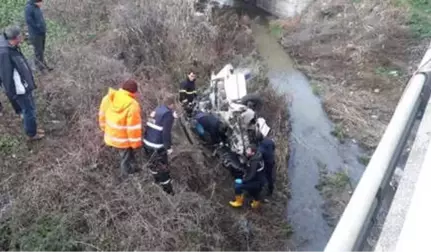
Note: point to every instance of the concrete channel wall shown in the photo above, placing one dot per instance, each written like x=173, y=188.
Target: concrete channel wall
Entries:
x=283, y=8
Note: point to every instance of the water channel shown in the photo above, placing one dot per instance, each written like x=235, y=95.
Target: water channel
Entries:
x=311, y=143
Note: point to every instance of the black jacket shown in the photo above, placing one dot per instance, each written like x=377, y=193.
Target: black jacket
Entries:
x=158, y=135
x=210, y=123
x=11, y=58
x=267, y=148
x=34, y=19
x=187, y=90
x=254, y=169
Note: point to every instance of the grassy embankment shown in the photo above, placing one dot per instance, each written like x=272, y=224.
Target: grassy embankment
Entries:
x=62, y=193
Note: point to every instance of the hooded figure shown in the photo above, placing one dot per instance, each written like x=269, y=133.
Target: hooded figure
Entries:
x=120, y=120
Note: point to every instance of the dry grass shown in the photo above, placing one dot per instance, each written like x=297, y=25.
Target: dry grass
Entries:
x=375, y=49
x=62, y=193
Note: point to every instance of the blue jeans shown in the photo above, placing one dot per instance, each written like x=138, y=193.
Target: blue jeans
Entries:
x=26, y=102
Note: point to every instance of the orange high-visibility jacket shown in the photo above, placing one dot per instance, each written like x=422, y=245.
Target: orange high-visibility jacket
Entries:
x=120, y=119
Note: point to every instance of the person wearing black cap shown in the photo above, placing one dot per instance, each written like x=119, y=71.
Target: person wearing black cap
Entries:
x=37, y=31
x=17, y=79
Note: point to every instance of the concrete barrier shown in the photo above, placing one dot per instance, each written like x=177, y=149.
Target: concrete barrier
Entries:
x=283, y=8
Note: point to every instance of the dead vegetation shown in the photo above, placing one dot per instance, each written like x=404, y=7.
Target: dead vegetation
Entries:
x=361, y=53
x=62, y=193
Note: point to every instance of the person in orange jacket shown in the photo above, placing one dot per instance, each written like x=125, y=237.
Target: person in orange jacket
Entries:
x=120, y=120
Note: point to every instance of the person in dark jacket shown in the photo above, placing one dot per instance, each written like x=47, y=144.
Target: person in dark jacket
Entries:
x=253, y=179
x=188, y=93
x=17, y=79
x=266, y=146
x=188, y=88
x=158, y=143
x=211, y=126
x=37, y=32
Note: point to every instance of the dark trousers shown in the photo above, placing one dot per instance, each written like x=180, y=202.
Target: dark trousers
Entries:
x=39, y=51
x=253, y=188
x=15, y=106
x=158, y=166
x=127, y=157
x=269, y=170
x=26, y=103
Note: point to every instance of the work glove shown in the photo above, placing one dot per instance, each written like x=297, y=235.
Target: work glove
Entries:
x=169, y=151
x=175, y=115
x=238, y=183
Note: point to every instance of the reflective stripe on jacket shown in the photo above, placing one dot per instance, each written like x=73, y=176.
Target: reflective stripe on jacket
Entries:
x=187, y=90
x=158, y=132
x=120, y=119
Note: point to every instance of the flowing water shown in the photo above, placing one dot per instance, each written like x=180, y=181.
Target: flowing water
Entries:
x=312, y=144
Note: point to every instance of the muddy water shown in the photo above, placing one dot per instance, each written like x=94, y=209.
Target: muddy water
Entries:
x=312, y=145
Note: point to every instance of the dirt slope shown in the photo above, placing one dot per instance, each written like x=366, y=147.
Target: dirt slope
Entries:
x=62, y=193
x=359, y=55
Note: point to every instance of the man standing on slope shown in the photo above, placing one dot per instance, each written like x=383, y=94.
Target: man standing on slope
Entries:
x=37, y=31
x=18, y=81
x=188, y=92
x=157, y=142
x=267, y=148
x=120, y=120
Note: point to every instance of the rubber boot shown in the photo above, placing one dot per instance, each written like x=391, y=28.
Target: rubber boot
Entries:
x=239, y=200
x=255, y=204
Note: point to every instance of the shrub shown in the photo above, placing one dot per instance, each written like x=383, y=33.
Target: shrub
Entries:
x=72, y=174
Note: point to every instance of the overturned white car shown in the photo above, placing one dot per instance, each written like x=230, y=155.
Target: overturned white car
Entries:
x=227, y=99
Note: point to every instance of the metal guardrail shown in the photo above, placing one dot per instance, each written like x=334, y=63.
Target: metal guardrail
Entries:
x=354, y=224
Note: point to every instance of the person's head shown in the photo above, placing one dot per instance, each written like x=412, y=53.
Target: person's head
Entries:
x=38, y=3
x=251, y=150
x=191, y=75
x=169, y=101
x=13, y=35
x=130, y=85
